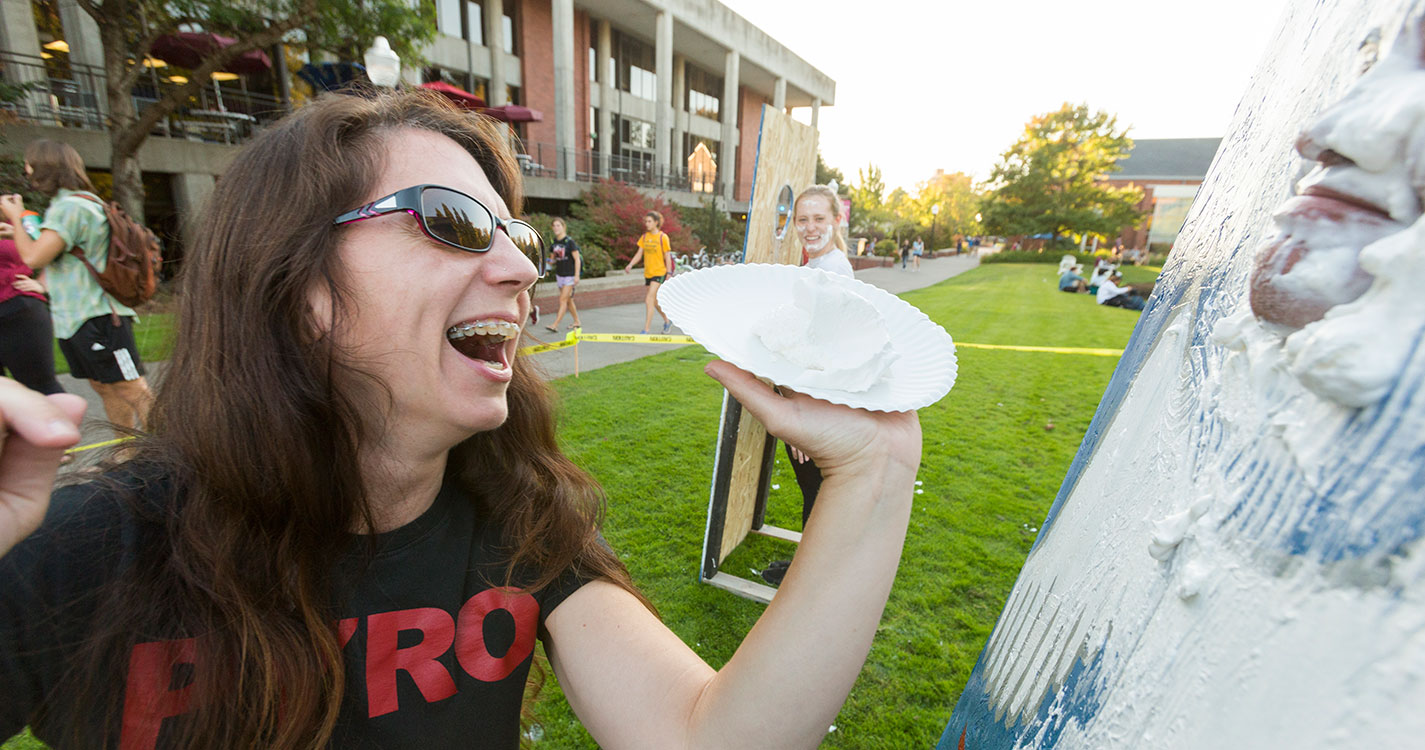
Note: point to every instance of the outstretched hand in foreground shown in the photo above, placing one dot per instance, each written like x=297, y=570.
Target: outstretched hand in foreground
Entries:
x=35, y=430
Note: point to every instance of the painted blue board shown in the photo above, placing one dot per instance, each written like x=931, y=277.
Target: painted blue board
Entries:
x=1234, y=559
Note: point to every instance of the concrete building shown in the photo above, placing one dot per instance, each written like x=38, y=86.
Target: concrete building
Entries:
x=1170, y=171
x=665, y=95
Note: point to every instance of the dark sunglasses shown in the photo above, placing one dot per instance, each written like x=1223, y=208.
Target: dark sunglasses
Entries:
x=453, y=218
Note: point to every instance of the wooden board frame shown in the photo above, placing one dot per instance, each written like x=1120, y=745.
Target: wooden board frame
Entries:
x=742, y=469
x=737, y=504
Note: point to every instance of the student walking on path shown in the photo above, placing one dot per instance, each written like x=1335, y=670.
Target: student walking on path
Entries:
x=564, y=253
x=657, y=258
x=95, y=331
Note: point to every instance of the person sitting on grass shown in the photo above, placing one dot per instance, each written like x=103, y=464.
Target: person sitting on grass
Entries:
x=657, y=259
x=1101, y=269
x=351, y=519
x=1072, y=282
x=1113, y=295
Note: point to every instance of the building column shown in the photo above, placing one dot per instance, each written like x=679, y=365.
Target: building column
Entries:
x=607, y=95
x=18, y=35
x=664, y=71
x=680, y=116
x=727, y=152
x=495, y=40
x=86, y=47
x=815, y=112
x=779, y=94
x=190, y=195
x=563, y=30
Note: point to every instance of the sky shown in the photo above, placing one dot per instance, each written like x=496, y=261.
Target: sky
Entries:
x=948, y=84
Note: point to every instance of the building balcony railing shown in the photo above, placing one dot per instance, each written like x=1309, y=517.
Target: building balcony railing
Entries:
x=74, y=96
x=548, y=160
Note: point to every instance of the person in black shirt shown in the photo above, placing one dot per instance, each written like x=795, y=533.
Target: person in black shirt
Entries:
x=567, y=266
x=351, y=519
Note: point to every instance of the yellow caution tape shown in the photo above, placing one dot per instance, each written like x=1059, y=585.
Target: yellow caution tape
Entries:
x=635, y=338
x=1049, y=349
x=570, y=340
x=577, y=335
x=92, y=446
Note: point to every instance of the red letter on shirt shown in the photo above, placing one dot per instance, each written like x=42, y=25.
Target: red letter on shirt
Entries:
x=419, y=661
x=148, y=700
x=470, y=648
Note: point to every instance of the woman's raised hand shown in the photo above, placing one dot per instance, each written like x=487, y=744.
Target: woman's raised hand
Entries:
x=839, y=438
x=27, y=284
x=34, y=432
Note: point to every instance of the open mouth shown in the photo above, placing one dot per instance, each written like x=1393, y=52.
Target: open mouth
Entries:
x=483, y=341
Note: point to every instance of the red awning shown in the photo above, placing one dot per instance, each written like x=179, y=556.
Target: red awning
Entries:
x=462, y=98
x=188, y=49
x=466, y=100
x=513, y=113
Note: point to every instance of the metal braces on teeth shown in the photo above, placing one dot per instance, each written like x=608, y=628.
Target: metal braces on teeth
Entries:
x=501, y=328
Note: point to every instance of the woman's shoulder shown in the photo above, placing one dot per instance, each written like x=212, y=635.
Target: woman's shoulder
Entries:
x=91, y=527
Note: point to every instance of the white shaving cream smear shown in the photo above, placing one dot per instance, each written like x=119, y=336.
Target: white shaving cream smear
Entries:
x=838, y=338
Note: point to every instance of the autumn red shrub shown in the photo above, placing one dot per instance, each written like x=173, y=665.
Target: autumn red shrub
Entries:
x=612, y=213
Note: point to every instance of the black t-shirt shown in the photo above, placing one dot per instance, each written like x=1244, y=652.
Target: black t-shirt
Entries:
x=562, y=253
x=435, y=655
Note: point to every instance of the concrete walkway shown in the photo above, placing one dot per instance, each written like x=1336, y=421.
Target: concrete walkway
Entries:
x=627, y=318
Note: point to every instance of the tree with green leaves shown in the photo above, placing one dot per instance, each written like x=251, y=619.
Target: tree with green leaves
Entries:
x=870, y=216
x=1052, y=180
x=959, y=201
x=128, y=30
x=714, y=228
x=825, y=173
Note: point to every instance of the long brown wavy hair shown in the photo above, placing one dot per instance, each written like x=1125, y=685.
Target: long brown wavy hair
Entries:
x=57, y=165
x=258, y=448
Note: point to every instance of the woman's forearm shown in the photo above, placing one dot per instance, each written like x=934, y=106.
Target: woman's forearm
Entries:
x=792, y=673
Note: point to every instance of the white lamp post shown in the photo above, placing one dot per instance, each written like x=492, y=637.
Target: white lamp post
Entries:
x=383, y=66
x=934, y=217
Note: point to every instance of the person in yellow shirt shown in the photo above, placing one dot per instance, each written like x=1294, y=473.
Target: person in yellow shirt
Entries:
x=657, y=257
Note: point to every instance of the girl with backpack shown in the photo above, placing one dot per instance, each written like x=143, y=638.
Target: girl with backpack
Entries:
x=95, y=331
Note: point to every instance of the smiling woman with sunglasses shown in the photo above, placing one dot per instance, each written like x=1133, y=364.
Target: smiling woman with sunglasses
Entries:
x=351, y=520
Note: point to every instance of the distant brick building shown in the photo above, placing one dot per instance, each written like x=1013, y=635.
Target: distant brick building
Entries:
x=1169, y=170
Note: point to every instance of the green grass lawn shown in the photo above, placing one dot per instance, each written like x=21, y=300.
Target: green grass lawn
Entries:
x=995, y=451
x=154, y=336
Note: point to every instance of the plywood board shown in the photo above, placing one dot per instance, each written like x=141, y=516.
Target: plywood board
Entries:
x=747, y=473
x=786, y=156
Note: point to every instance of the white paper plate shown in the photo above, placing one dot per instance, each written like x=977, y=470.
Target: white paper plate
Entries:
x=720, y=307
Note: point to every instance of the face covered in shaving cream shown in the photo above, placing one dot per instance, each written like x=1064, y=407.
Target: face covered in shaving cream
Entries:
x=1367, y=185
x=816, y=224
x=438, y=326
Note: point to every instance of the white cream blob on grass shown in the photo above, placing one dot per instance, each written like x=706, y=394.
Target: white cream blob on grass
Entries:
x=835, y=335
